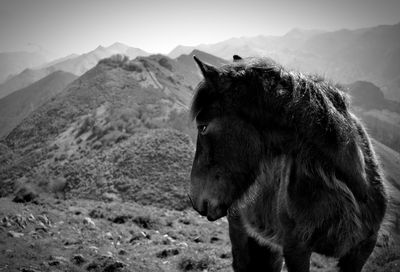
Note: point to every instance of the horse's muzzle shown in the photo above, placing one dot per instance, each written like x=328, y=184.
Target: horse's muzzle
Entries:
x=205, y=208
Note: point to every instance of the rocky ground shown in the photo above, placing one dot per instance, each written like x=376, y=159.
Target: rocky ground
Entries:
x=86, y=235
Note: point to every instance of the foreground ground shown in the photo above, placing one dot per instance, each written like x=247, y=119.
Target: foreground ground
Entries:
x=84, y=235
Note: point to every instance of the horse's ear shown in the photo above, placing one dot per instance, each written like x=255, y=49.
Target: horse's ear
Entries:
x=209, y=72
x=236, y=58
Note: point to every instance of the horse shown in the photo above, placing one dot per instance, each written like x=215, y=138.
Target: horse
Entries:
x=280, y=154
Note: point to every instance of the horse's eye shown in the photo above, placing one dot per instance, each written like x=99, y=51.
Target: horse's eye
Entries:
x=202, y=129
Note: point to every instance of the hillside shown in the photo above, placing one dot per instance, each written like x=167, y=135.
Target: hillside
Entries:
x=108, y=117
x=381, y=116
x=75, y=64
x=121, y=106
x=19, y=104
x=12, y=63
x=22, y=80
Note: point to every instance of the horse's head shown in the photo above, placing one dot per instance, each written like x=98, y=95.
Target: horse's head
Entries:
x=229, y=146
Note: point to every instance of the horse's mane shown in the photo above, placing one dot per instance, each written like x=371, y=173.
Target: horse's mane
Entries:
x=305, y=99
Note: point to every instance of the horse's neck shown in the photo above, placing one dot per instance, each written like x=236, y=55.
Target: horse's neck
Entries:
x=260, y=203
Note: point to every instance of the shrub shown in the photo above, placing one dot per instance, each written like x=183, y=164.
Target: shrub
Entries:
x=164, y=62
x=114, y=61
x=132, y=66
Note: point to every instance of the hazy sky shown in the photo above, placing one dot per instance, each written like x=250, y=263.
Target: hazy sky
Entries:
x=77, y=26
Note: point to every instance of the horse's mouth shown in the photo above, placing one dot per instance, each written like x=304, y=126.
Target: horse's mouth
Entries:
x=213, y=215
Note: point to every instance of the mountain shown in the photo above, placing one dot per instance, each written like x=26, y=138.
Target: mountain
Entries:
x=187, y=67
x=75, y=64
x=22, y=80
x=370, y=54
x=250, y=46
x=120, y=128
x=84, y=62
x=19, y=104
x=56, y=61
x=14, y=62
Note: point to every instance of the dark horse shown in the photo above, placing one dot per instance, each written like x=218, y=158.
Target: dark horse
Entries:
x=280, y=154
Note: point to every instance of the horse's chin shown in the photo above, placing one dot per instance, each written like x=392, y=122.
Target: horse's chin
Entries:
x=216, y=213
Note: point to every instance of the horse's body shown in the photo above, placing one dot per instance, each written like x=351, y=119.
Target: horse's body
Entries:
x=294, y=170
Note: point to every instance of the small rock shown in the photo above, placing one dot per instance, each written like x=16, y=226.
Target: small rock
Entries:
x=167, y=253
x=53, y=263
x=108, y=254
x=198, y=239
x=88, y=221
x=94, y=248
x=108, y=235
x=122, y=252
x=15, y=234
x=110, y=197
x=78, y=259
x=19, y=220
x=41, y=227
x=146, y=235
x=71, y=241
x=214, y=239
x=44, y=219
x=135, y=237
x=56, y=260
x=6, y=222
x=31, y=218
x=182, y=244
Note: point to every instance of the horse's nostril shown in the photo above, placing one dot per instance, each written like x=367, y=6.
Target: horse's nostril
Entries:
x=217, y=176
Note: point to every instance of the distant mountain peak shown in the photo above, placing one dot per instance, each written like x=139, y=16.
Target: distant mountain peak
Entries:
x=118, y=46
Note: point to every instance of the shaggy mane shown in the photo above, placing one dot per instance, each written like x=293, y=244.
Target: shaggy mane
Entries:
x=308, y=99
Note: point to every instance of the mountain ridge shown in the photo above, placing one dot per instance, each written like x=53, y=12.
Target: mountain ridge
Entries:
x=346, y=55
x=19, y=104
x=73, y=64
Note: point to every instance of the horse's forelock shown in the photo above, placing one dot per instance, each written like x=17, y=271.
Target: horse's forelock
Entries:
x=243, y=71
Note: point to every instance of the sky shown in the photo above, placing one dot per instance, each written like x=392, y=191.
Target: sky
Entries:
x=157, y=26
